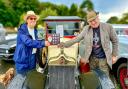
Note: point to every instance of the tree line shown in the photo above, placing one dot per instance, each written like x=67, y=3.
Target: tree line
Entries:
x=12, y=11
x=116, y=20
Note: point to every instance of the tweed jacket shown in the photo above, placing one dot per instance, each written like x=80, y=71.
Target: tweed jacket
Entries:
x=108, y=36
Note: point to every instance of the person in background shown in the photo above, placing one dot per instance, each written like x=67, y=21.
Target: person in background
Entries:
x=97, y=37
x=2, y=33
x=25, y=52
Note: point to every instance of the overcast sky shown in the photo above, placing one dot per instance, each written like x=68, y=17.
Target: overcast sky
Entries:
x=107, y=8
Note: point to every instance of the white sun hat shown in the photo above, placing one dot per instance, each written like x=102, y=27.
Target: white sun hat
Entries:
x=30, y=13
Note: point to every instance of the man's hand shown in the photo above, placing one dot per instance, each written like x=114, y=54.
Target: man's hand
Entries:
x=61, y=45
x=114, y=59
x=83, y=61
x=47, y=43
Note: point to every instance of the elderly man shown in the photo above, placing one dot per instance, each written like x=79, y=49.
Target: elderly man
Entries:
x=97, y=37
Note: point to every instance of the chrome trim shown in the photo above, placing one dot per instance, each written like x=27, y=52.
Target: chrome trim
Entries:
x=4, y=54
x=61, y=53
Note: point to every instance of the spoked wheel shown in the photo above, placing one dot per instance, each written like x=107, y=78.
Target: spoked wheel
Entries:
x=122, y=75
x=42, y=56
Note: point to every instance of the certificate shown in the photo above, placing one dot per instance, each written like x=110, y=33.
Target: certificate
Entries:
x=60, y=30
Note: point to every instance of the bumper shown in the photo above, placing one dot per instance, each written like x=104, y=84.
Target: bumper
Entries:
x=5, y=55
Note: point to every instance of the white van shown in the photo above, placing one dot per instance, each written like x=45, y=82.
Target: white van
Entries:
x=121, y=29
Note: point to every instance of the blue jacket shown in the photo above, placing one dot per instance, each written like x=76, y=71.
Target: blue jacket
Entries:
x=23, y=57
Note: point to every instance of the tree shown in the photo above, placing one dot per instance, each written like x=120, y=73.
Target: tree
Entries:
x=73, y=10
x=124, y=19
x=22, y=18
x=2, y=5
x=47, y=12
x=81, y=13
x=45, y=5
x=62, y=10
x=21, y=6
x=87, y=4
x=2, y=8
x=113, y=20
x=8, y=17
x=11, y=10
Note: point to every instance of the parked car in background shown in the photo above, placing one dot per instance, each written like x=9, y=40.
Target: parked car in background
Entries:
x=7, y=49
x=120, y=68
x=7, y=44
x=121, y=29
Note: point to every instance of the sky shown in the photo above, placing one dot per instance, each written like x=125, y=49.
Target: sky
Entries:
x=106, y=8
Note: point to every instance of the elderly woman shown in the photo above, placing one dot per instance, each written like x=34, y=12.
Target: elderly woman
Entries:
x=25, y=53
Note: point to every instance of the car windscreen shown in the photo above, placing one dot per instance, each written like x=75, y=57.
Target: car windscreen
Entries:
x=69, y=28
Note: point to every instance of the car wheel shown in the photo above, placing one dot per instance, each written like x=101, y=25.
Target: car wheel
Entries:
x=122, y=75
x=42, y=57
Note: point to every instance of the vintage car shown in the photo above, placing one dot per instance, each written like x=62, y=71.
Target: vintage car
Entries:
x=7, y=44
x=61, y=62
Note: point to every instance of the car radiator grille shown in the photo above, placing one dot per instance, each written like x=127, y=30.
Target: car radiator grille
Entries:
x=61, y=77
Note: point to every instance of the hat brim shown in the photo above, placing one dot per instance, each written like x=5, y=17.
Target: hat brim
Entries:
x=26, y=17
x=97, y=13
x=92, y=18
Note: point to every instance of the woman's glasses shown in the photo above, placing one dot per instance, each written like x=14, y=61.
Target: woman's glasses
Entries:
x=32, y=18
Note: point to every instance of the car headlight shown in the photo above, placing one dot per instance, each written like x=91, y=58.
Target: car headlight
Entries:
x=7, y=51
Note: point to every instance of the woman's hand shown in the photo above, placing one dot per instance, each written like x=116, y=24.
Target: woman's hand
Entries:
x=47, y=43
